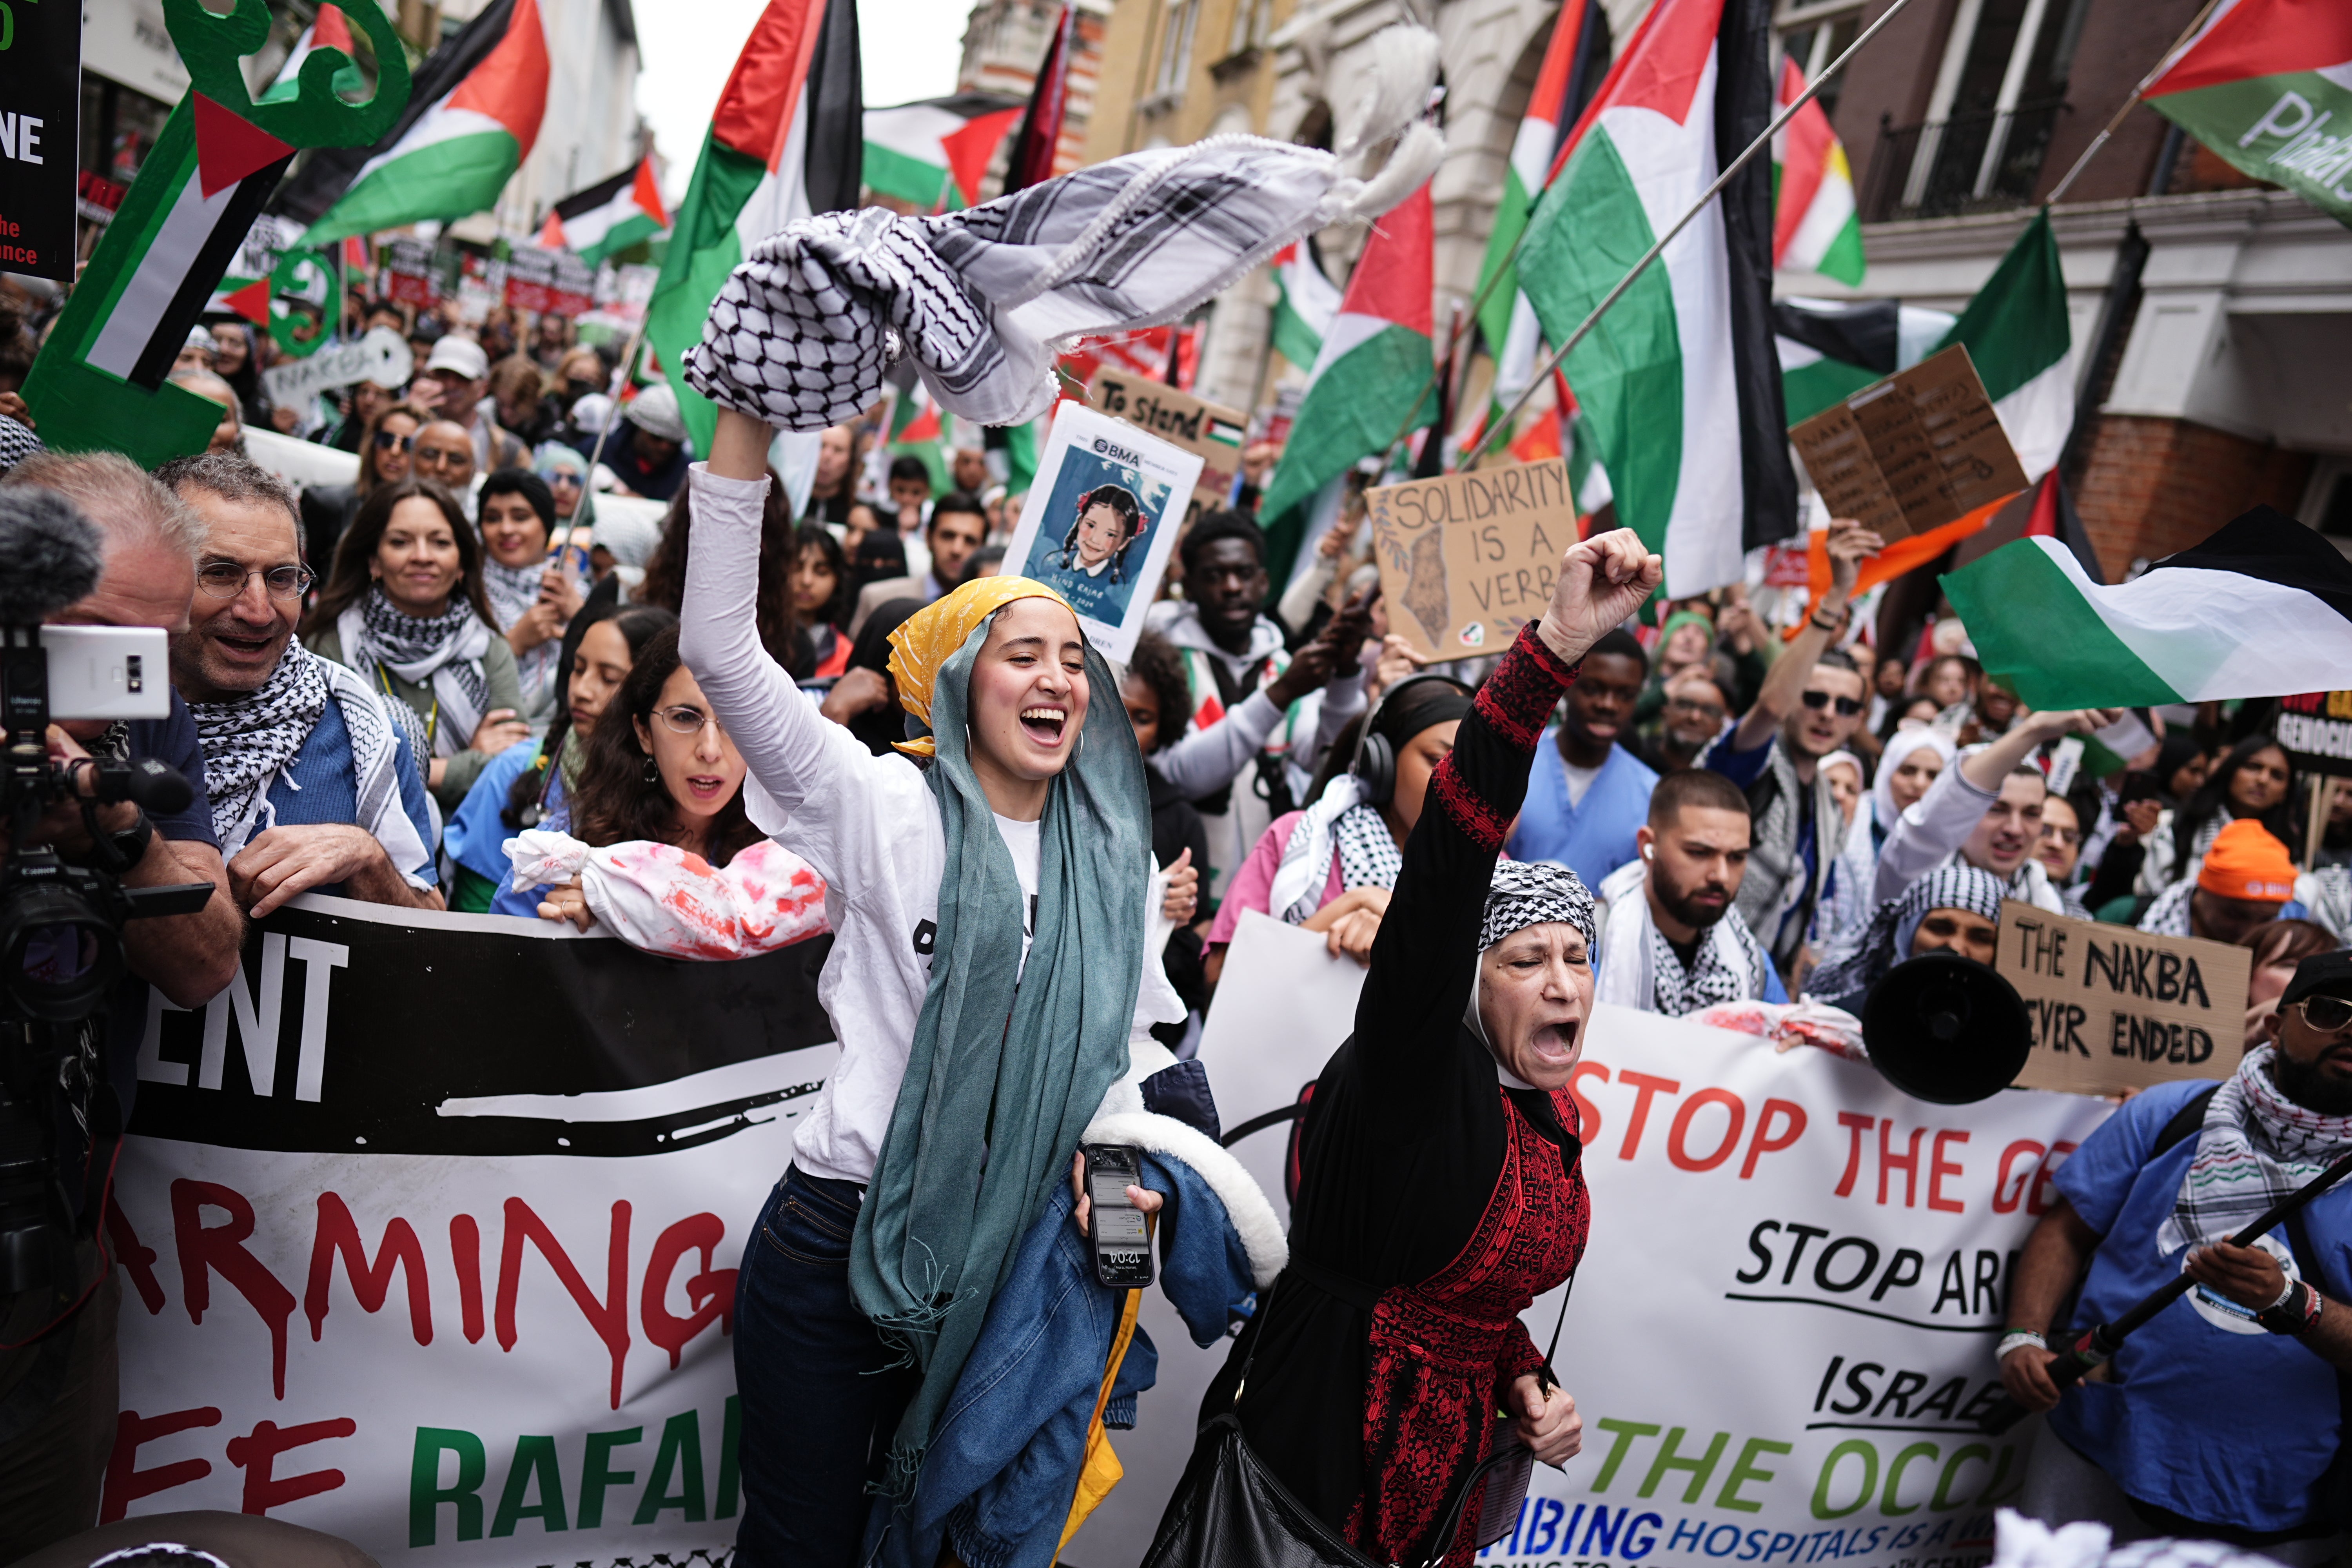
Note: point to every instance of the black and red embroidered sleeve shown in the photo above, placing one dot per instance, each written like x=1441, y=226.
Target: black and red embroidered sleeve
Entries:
x=1419, y=979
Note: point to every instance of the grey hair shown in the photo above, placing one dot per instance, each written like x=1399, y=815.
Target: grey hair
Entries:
x=231, y=476
x=126, y=502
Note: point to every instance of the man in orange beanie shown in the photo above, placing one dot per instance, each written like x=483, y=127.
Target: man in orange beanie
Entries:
x=2247, y=878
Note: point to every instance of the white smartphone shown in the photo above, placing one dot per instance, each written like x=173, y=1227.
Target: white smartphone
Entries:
x=108, y=672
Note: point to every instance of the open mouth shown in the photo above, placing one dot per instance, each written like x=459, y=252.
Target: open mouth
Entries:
x=243, y=647
x=1557, y=1042
x=705, y=788
x=1043, y=723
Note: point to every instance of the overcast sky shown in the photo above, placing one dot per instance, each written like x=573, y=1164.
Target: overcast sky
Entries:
x=911, y=49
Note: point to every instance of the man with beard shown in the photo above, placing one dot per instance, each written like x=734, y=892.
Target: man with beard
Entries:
x=1673, y=942
x=2222, y=1418
x=1693, y=716
x=1586, y=793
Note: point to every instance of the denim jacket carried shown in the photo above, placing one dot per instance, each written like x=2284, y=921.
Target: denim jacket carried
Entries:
x=1004, y=1460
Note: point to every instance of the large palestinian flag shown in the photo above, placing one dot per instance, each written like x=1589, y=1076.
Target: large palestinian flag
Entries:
x=1506, y=320
x=1372, y=380
x=609, y=216
x=932, y=156
x=1815, y=225
x=470, y=123
x=2263, y=609
x=1678, y=383
x=786, y=141
x=2267, y=86
x=2016, y=330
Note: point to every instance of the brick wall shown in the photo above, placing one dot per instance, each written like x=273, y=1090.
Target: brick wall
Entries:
x=2155, y=486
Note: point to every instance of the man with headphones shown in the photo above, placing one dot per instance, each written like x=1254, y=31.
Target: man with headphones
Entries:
x=1328, y=868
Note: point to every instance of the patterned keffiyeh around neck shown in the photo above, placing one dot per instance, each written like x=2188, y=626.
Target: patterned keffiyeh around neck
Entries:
x=1368, y=856
x=446, y=651
x=512, y=591
x=983, y=300
x=2255, y=1147
x=1638, y=967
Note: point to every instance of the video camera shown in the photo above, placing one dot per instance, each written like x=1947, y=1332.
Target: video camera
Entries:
x=61, y=923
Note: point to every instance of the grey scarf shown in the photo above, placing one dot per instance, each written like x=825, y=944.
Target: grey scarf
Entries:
x=1776, y=880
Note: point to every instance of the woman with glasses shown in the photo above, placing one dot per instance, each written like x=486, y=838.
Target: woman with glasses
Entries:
x=661, y=849
x=385, y=447
x=404, y=607
x=566, y=473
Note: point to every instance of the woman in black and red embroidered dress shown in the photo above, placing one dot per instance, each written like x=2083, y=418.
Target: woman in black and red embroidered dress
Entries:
x=1441, y=1192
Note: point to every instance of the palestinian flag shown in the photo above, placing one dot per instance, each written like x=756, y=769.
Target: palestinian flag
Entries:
x=1678, y=381
x=469, y=124
x=932, y=156
x=916, y=431
x=1815, y=225
x=1372, y=379
x=2263, y=609
x=1039, y=139
x=608, y=217
x=1506, y=320
x=2266, y=85
x=2015, y=329
x=237, y=296
x=785, y=143
x=1306, y=301
x=330, y=30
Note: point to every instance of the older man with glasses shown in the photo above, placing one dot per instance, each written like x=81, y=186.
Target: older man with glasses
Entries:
x=314, y=787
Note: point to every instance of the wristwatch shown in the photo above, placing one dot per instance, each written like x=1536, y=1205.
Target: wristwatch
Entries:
x=116, y=852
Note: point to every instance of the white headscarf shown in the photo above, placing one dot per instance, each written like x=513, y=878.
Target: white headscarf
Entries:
x=1899, y=746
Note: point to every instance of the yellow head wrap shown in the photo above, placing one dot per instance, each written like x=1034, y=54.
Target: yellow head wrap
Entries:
x=926, y=638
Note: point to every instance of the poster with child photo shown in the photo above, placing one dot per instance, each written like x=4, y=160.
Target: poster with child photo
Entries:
x=1100, y=521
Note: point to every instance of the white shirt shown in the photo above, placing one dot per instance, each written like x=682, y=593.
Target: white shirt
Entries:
x=1580, y=781
x=1024, y=841
x=870, y=825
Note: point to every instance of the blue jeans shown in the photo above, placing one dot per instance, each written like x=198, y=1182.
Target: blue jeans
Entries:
x=821, y=1397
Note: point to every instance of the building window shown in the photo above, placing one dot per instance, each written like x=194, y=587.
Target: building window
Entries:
x=1997, y=96
x=1813, y=36
x=1253, y=20
x=1176, y=47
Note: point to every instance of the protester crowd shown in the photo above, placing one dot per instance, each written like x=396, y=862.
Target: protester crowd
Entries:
x=427, y=689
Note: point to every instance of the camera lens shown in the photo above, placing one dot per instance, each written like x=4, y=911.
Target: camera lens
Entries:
x=58, y=954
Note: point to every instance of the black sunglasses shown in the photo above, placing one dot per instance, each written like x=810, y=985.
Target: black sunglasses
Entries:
x=1847, y=707
x=387, y=441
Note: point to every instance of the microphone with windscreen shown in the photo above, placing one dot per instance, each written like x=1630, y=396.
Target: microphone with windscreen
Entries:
x=1946, y=1029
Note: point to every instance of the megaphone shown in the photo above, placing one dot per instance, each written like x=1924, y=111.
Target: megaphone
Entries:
x=1946, y=1029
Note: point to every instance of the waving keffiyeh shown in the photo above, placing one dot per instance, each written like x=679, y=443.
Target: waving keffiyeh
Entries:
x=984, y=298
x=445, y=651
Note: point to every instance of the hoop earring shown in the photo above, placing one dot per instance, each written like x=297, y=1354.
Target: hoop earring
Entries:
x=651, y=772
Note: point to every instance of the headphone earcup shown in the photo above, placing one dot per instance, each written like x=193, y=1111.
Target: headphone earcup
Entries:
x=1375, y=769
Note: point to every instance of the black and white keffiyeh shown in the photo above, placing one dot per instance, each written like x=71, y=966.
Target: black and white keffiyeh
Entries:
x=2255, y=1147
x=1638, y=967
x=1534, y=892
x=802, y=332
x=1860, y=959
x=445, y=651
x=248, y=741
x=1340, y=817
x=2168, y=916
x=513, y=591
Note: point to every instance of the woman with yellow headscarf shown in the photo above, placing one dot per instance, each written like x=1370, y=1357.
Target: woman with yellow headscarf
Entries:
x=988, y=982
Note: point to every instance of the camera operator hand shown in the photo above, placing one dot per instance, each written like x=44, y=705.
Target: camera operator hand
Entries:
x=187, y=957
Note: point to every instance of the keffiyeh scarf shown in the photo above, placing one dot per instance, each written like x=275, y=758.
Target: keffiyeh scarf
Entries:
x=1534, y=892
x=2168, y=916
x=1776, y=880
x=1368, y=856
x=1639, y=967
x=513, y=592
x=445, y=652
x=802, y=332
x=2255, y=1147
x=1860, y=960
x=247, y=743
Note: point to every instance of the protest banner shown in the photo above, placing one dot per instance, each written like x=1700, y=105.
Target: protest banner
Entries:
x=1209, y=431
x=382, y=356
x=1741, y=1197
x=1467, y=559
x=2314, y=730
x=1913, y=452
x=428, y=1227
x=412, y=275
x=1101, y=520
x=2116, y=1009
x=37, y=155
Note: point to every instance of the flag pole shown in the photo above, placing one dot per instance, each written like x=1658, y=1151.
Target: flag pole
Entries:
x=621, y=378
x=2108, y=130
x=1559, y=354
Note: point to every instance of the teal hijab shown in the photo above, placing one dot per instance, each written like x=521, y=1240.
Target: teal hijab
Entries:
x=1008, y=1065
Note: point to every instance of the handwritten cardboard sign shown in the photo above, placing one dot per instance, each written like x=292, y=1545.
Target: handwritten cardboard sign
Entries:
x=2115, y=1009
x=1915, y=451
x=1210, y=432
x=1468, y=559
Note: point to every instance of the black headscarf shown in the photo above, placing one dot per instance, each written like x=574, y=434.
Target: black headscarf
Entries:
x=883, y=727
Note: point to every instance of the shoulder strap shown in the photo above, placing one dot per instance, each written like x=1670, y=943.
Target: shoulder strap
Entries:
x=2184, y=1121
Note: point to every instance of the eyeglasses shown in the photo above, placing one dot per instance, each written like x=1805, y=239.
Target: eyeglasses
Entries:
x=444, y=456
x=2063, y=834
x=2328, y=1015
x=226, y=580
x=684, y=720
x=1707, y=710
x=388, y=441
x=1847, y=707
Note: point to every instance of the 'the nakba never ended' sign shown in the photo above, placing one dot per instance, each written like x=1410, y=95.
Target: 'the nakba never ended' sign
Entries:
x=2115, y=1009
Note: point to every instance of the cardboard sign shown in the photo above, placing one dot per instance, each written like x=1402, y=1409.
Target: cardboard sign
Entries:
x=1468, y=559
x=2314, y=730
x=1211, y=433
x=2115, y=1009
x=1913, y=452
x=1101, y=520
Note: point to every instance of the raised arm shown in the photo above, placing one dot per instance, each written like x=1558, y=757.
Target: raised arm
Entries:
x=1419, y=979
x=1848, y=543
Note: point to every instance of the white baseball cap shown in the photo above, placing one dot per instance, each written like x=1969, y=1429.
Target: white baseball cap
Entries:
x=462, y=355
x=655, y=411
